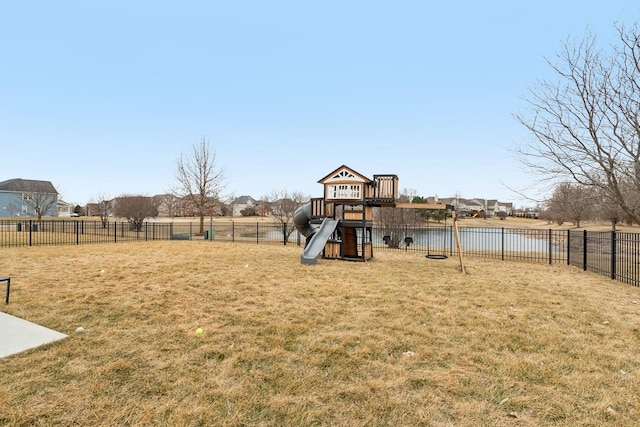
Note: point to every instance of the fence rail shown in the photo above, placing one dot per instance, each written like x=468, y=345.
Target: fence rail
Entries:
x=612, y=254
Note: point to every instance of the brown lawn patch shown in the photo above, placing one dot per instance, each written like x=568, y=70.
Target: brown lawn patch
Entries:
x=401, y=340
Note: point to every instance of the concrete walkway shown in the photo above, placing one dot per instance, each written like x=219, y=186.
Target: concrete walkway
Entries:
x=17, y=335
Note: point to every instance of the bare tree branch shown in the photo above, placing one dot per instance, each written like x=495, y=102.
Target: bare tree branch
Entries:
x=135, y=208
x=283, y=206
x=104, y=206
x=200, y=180
x=41, y=196
x=585, y=125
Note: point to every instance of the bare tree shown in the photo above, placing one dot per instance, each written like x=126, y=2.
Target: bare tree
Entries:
x=611, y=212
x=608, y=210
x=170, y=204
x=586, y=125
x=393, y=221
x=249, y=211
x=573, y=202
x=200, y=180
x=283, y=206
x=41, y=196
x=226, y=204
x=104, y=207
x=135, y=208
x=548, y=215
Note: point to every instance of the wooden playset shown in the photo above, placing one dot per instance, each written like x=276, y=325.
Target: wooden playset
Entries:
x=340, y=223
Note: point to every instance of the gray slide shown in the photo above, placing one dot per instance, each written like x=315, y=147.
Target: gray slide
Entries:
x=302, y=218
x=316, y=235
x=318, y=240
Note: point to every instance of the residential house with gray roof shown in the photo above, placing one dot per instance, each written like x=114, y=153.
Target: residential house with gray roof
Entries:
x=243, y=202
x=19, y=196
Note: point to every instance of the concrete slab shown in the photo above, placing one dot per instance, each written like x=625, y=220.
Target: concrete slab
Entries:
x=17, y=335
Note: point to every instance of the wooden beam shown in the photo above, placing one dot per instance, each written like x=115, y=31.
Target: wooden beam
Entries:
x=433, y=206
x=458, y=245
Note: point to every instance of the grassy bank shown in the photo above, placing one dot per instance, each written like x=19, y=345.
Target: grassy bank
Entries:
x=401, y=340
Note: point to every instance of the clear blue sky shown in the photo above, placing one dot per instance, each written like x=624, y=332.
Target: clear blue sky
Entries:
x=101, y=98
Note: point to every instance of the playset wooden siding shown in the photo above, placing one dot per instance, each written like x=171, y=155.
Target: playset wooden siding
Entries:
x=332, y=249
x=357, y=213
x=318, y=210
x=383, y=190
x=368, y=254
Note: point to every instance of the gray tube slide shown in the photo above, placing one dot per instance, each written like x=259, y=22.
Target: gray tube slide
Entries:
x=316, y=235
x=302, y=218
x=318, y=240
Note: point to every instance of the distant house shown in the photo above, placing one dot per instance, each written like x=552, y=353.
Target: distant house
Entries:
x=506, y=208
x=526, y=213
x=470, y=207
x=492, y=208
x=474, y=206
x=243, y=202
x=64, y=209
x=17, y=196
x=168, y=205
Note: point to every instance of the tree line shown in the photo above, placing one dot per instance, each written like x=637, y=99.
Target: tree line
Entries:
x=574, y=202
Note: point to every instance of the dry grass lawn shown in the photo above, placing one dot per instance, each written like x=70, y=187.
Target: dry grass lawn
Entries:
x=399, y=341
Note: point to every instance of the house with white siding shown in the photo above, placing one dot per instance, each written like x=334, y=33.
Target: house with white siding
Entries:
x=470, y=207
x=243, y=202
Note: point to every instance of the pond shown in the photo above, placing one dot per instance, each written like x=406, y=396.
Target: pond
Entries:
x=477, y=238
x=471, y=238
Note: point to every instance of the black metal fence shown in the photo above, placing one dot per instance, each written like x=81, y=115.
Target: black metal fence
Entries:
x=537, y=245
x=78, y=232
x=612, y=254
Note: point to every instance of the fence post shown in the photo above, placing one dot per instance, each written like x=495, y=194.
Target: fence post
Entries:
x=77, y=227
x=584, y=250
x=550, y=248
x=405, y=236
x=233, y=231
x=502, y=242
x=284, y=233
x=613, y=254
x=30, y=232
x=568, y=247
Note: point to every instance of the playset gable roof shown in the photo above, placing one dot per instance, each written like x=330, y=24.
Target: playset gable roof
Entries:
x=344, y=174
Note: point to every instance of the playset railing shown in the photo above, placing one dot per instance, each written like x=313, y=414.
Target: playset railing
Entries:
x=384, y=190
